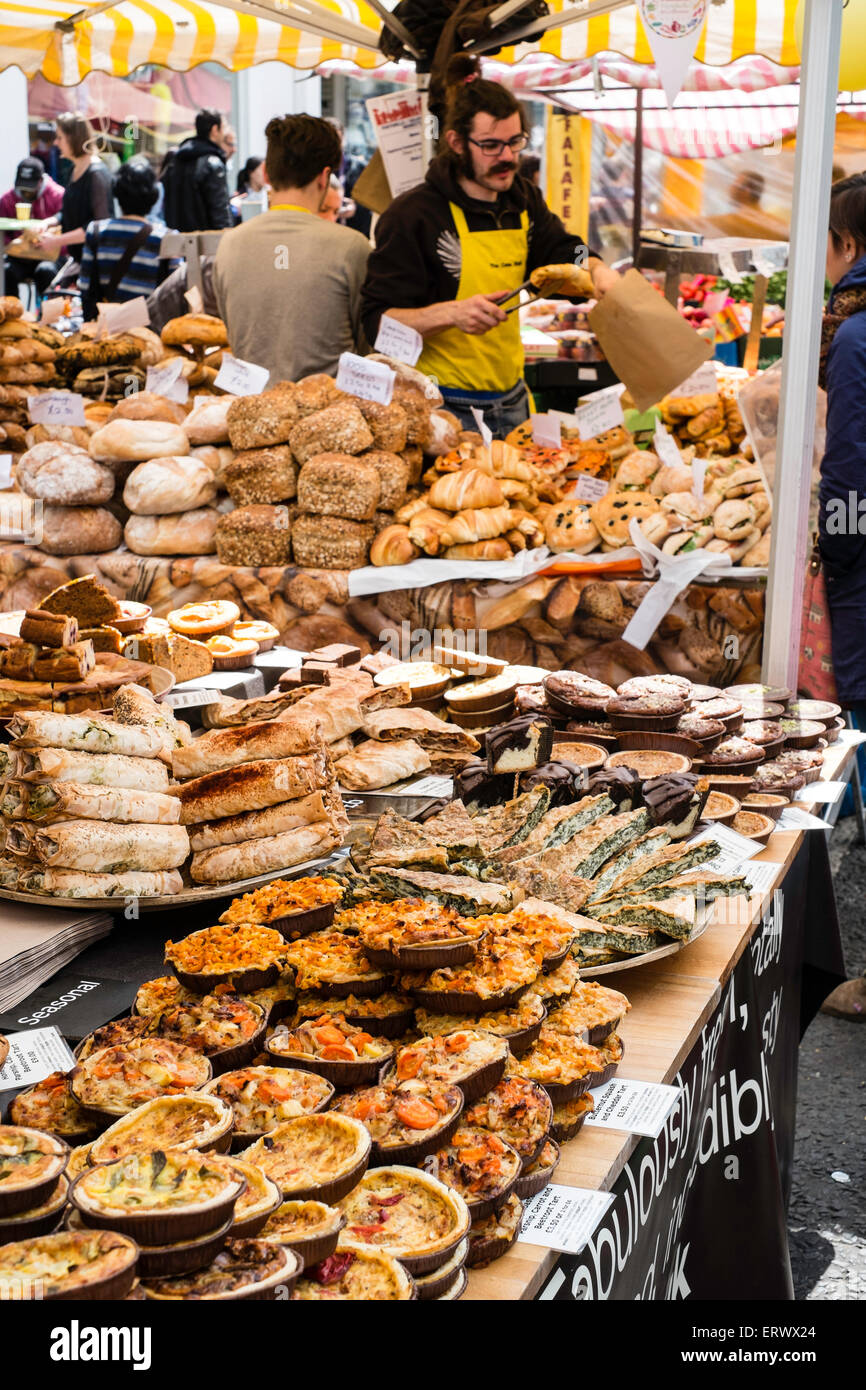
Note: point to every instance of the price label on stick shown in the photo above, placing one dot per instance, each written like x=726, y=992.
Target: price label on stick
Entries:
x=666, y=447
x=57, y=408
x=168, y=380
x=547, y=432
x=241, y=378
x=603, y=412
x=702, y=382
x=194, y=300
x=589, y=489
x=359, y=376
x=483, y=429
x=396, y=339
x=116, y=318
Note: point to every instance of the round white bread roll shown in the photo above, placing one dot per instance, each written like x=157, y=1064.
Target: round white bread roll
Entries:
x=184, y=533
x=207, y=423
x=166, y=485
x=71, y=478
x=217, y=457
x=134, y=441
x=78, y=530
x=147, y=405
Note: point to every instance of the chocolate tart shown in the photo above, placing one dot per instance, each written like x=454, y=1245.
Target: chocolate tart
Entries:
x=182, y=1257
x=244, y=979
x=757, y=709
x=38, y=1220
x=569, y=1118
x=655, y=713
x=50, y=1106
x=765, y=803
x=188, y=1070
x=699, y=693
x=678, y=687
x=494, y=1236
x=802, y=733
x=197, y=1121
x=475, y=1065
x=377, y=1217
x=456, y=1289
x=767, y=734
x=720, y=807
x=356, y=1273
x=536, y=1178
x=648, y=762
x=407, y=1120
x=252, y=1269
x=263, y=1097
x=258, y=1201
x=754, y=825
x=196, y=1198
x=519, y=1111
x=385, y=1015
x=483, y=1190
x=311, y=1229
x=599, y=732
x=31, y=1165
x=321, y=1156
x=577, y=696
x=341, y=1073
x=446, y=1277
x=99, y=1266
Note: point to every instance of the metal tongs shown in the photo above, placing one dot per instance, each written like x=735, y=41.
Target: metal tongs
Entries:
x=549, y=288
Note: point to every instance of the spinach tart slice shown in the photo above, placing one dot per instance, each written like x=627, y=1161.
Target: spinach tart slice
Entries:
x=31, y=1165
x=244, y=1269
x=518, y=1110
x=408, y=1214
x=407, y=1119
x=321, y=1156
x=354, y=1273
x=158, y=1197
x=263, y=1097
x=195, y=1121
x=80, y=1265
x=473, y=1060
x=51, y=1107
x=478, y=1165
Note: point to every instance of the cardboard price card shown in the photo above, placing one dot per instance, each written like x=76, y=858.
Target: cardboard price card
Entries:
x=241, y=378
x=604, y=412
x=33, y=1056
x=587, y=488
x=372, y=381
x=635, y=1107
x=169, y=381
x=398, y=340
x=116, y=318
x=57, y=408
x=563, y=1218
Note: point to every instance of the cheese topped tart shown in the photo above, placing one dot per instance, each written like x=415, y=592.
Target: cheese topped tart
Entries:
x=297, y=1222
x=51, y=1106
x=492, y=1236
x=259, y=1199
x=180, y=1123
x=408, y=1214
x=356, y=1273
x=212, y=1023
x=590, y=1008
x=244, y=1269
x=370, y=916
x=282, y=898
x=30, y=1162
x=70, y=1265
x=316, y=1156
x=404, y=1115
x=520, y=1111
x=470, y=1059
x=329, y=1038
x=116, y=1080
x=225, y=950
x=479, y=1165
x=417, y=923
x=331, y=959
x=533, y=929
x=527, y=1012
x=558, y=1060
x=502, y=969
x=156, y=996
x=79, y=1160
x=153, y=1180
x=264, y=1097
x=569, y=1116
x=382, y=1010
x=556, y=986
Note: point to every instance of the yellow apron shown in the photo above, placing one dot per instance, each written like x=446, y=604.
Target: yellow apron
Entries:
x=491, y=361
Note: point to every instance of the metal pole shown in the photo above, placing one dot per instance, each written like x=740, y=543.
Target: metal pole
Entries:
x=637, y=211
x=822, y=28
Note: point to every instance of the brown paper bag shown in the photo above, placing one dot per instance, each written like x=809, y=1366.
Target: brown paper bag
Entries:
x=372, y=189
x=649, y=346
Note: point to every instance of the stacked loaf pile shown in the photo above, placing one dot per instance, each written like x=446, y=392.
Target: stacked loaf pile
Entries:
x=27, y=358
x=86, y=805
x=73, y=486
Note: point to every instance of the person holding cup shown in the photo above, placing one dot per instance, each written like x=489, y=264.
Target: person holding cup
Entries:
x=34, y=196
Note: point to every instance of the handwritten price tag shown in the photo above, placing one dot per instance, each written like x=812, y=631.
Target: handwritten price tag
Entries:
x=241, y=378
x=589, y=489
x=398, y=340
x=602, y=413
x=57, y=408
x=483, y=429
x=546, y=432
x=372, y=381
x=703, y=382
x=194, y=300
x=5, y=471
x=52, y=310
x=666, y=447
x=168, y=381
x=116, y=318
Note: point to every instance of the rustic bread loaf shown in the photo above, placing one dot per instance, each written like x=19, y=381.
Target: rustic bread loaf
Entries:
x=134, y=441
x=147, y=405
x=389, y=425
x=182, y=533
x=166, y=485
x=70, y=477
x=261, y=475
x=207, y=422
x=338, y=485
x=315, y=393
x=255, y=535
x=79, y=530
x=341, y=428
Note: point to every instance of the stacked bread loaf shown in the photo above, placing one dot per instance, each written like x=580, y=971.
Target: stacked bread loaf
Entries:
x=86, y=808
x=27, y=356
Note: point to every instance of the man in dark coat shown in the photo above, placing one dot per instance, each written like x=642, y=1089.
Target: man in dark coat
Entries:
x=196, y=187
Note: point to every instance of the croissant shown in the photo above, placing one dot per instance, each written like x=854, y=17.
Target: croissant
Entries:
x=498, y=549
x=405, y=513
x=392, y=546
x=425, y=529
x=508, y=462
x=468, y=488
x=476, y=524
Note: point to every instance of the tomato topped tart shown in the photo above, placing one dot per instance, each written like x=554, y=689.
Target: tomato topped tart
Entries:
x=115, y=1080
x=408, y=1214
x=264, y=1097
x=406, y=1119
x=385, y=1015
x=472, y=1060
x=479, y=1165
x=356, y=1273
x=518, y=1110
x=333, y=1048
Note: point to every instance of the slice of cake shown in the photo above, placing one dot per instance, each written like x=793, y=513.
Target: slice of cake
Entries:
x=185, y=658
x=85, y=599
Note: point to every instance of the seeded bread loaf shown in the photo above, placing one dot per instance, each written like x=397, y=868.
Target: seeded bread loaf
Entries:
x=254, y=535
x=261, y=475
x=315, y=393
x=340, y=428
x=393, y=476
x=254, y=422
x=331, y=543
x=338, y=485
x=389, y=425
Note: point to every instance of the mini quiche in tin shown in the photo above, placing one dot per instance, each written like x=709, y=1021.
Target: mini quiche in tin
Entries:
x=158, y=1197
x=295, y=907
x=568, y=1118
x=407, y=1119
x=468, y=1058
x=31, y=1164
x=79, y=1265
x=519, y=1025
x=385, y=1016
x=38, y=1220
x=565, y=1066
x=448, y=1276
x=264, y=1097
x=503, y=970
x=592, y=1010
x=244, y=1269
x=493, y=1237
x=519, y=1111
x=111, y=1082
x=258, y=1201
x=335, y=966
x=315, y=1156
x=331, y=1047
x=196, y=1121
x=51, y=1107
x=356, y=1273
x=478, y=1165
x=536, y=1177
x=407, y=1214
x=311, y=1229
x=246, y=957
x=179, y=1257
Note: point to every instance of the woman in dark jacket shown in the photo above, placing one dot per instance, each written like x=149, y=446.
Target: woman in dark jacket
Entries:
x=842, y=495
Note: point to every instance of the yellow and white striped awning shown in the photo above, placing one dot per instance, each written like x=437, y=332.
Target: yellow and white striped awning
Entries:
x=65, y=40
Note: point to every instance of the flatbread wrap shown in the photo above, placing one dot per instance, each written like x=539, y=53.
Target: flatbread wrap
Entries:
x=95, y=769
x=83, y=733
x=99, y=847
x=231, y=863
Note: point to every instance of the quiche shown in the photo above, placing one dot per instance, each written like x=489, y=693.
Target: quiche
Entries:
x=552, y=989
x=155, y=996
x=386, y=1015
x=295, y=906
x=536, y=1177
x=470, y=1059
x=503, y=970
x=407, y=1214
x=195, y=1121
x=479, y=1165
x=69, y=1265
x=258, y=1201
x=591, y=1010
x=411, y=934
x=247, y=956
x=51, y=1107
x=319, y=1156
x=493, y=1236
x=115, y=1034
x=520, y=1111
x=225, y=1027
x=356, y=1273
x=311, y=1229
x=406, y=1119
x=264, y=1097
x=563, y=1065
x=520, y=1024
x=31, y=1164
x=542, y=933
x=158, y=1196
x=256, y=1269
x=568, y=1117
x=37, y=1220
x=332, y=1048
x=447, y=1277
x=330, y=963
x=115, y=1080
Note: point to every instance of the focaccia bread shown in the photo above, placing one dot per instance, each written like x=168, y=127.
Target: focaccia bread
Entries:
x=165, y=485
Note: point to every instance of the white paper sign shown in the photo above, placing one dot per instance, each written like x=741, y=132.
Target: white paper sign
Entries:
x=33, y=1056
x=702, y=382
x=603, y=412
x=52, y=310
x=823, y=793
x=168, y=381
x=666, y=447
x=116, y=318
x=699, y=472
x=673, y=28
x=728, y=269
x=57, y=408
x=483, y=428
x=733, y=849
x=546, y=432
x=194, y=300
x=563, y=1218
x=760, y=877
x=852, y=737
x=429, y=786
x=5, y=471
x=588, y=489
x=636, y=1107
x=397, y=120
x=191, y=699
x=793, y=818
x=396, y=339
x=241, y=378
x=359, y=376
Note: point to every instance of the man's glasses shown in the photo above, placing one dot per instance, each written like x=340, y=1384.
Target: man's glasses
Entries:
x=496, y=147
